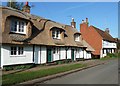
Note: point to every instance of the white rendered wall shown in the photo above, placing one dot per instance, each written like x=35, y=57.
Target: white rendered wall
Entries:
x=62, y=53
x=55, y=56
x=37, y=55
x=81, y=53
x=107, y=44
x=85, y=54
x=43, y=54
x=1, y=58
x=88, y=55
x=11, y=60
x=69, y=53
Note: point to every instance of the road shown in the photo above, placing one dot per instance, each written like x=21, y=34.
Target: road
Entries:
x=102, y=74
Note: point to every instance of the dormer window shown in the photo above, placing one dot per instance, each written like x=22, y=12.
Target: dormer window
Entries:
x=56, y=34
x=77, y=37
x=18, y=26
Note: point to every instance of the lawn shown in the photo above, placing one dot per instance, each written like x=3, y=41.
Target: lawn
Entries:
x=11, y=79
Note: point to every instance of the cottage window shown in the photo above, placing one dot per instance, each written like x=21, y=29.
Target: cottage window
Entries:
x=13, y=50
x=55, y=50
x=56, y=34
x=77, y=37
x=18, y=26
x=17, y=50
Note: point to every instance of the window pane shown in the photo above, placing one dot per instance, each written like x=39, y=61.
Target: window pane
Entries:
x=20, y=50
x=21, y=26
x=53, y=34
x=53, y=50
x=13, y=51
x=14, y=26
x=57, y=33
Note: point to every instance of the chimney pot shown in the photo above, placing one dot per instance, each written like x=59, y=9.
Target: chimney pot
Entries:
x=72, y=19
x=107, y=30
x=26, y=8
x=86, y=20
x=73, y=23
x=27, y=3
x=82, y=21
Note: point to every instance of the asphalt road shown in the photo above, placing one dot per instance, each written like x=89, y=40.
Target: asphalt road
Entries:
x=102, y=74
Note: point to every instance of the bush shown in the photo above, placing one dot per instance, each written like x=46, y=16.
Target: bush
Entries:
x=112, y=55
x=18, y=67
x=8, y=68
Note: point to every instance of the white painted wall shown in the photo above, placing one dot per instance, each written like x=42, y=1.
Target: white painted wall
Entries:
x=69, y=53
x=81, y=53
x=77, y=53
x=1, y=57
x=56, y=54
x=62, y=53
x=88, y=55
x=107, y=44
x=43, y=54
x=37, y=55
x=85, y=54
x=11, y=60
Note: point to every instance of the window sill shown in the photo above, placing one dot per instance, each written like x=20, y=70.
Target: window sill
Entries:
x=56, y=38
x=22, y=33
x=17, y=55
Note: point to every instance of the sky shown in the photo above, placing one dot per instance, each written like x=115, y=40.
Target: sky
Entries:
x=100, y=14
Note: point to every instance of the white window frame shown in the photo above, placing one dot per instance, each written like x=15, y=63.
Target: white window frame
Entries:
x=55, y=50
x=17, y=51
x=20, y=28
x=56, y=34
x=77, y=37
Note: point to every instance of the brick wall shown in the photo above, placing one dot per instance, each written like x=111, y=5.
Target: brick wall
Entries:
x=92, y=37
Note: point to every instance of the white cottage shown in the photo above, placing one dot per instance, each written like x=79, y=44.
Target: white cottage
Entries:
x=29, y=39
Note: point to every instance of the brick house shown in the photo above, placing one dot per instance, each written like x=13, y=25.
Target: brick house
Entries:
x=100, y=40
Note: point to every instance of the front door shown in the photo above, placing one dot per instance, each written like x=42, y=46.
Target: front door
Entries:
x=49, y=55
x=72, y=54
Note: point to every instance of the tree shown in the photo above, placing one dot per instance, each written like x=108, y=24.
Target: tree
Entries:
x=14, y=4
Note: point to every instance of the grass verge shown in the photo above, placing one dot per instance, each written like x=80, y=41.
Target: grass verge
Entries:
x=11, y=79
x=111, y=56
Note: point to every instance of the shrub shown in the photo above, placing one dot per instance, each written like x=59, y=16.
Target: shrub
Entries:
x=8, y=68
x=18, y=67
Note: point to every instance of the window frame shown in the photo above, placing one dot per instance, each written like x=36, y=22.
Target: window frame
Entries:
x=56, y=50
x=20, y=26
x=19, y=51
x=56, y=34
x=77, y=37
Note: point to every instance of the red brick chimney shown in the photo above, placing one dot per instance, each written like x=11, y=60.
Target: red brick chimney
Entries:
x=73, y=23
x=26, y=8
x=84, y=26
x=86, y=20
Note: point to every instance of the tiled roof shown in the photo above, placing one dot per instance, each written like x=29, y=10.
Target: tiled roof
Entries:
x=104, y=35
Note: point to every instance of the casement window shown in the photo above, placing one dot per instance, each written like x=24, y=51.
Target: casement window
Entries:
x=55, y=50
x=77, y=50
x=56, y=34
x=17, y=50
x=77, y=37
x=18, y=26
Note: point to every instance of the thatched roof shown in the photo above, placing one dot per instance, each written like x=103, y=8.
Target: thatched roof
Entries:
x=40, y=31
x=89, y=48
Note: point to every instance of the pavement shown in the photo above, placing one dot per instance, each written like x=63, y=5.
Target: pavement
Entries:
x=91, y=63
